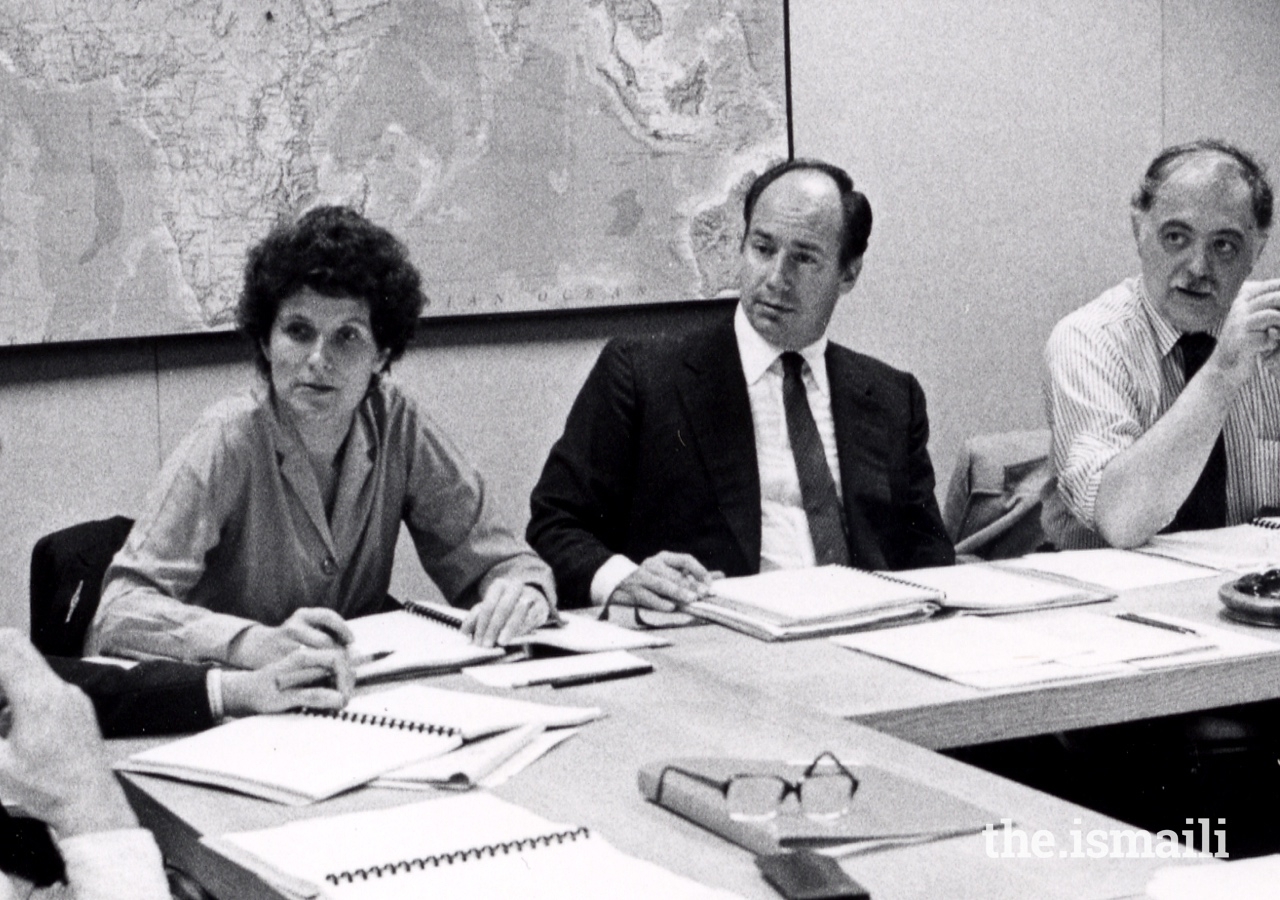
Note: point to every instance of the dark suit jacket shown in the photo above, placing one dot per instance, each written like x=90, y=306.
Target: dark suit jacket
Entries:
x=659, y=454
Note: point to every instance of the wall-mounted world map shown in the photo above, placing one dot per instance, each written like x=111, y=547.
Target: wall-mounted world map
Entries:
x=533, y=154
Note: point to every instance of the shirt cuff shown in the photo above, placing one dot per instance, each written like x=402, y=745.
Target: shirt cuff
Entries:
x=607, y=578
x=213, y=685
x=114, y=865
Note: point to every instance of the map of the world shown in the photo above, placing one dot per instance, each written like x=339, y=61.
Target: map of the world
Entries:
x=533, y=154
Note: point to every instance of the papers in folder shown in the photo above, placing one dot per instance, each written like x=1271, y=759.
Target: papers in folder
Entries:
x=987, y=653
x=795, y=603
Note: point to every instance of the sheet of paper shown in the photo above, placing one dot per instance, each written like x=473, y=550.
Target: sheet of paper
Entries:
x=1115, y=570
x=1226, y=644
x=581, y=634
x=963, y=644
x=539, y=747
x=476, y=715
x=1239, y=548
x=524, y=674
x=465, y=767
x=1107, y=639
x=1254, y=878
x=992, y=654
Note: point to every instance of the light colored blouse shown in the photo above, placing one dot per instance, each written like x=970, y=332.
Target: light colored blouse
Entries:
x=235, y=530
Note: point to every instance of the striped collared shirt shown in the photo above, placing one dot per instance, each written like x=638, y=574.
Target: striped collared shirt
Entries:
x=785, y=542
x=1112, y=369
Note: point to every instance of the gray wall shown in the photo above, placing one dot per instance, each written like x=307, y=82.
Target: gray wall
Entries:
x=998, y=142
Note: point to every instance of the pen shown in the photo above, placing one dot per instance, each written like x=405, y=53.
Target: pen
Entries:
x=591, y=678
x=371, y=657
x=1155, y=623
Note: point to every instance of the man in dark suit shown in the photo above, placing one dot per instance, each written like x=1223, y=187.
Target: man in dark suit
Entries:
x=752, y=445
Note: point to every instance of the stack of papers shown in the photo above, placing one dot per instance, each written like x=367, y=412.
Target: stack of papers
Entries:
x=796, y=603
x=985, y=653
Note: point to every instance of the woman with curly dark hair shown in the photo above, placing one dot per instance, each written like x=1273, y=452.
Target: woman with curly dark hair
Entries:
x=277, y=517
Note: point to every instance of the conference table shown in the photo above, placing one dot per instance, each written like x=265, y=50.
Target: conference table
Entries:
x=940, y=714
x=718, y=693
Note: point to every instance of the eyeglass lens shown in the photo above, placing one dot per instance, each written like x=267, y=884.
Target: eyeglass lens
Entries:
x=757, y=797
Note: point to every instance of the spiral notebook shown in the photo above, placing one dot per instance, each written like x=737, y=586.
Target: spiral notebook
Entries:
x=473, y=845
x=419, y=644
x=297, y=758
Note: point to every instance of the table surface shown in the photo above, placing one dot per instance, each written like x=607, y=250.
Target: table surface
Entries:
x=937, y=713
x=689, y=707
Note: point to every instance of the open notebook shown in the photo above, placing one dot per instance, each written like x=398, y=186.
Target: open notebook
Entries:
x=298, y=758
x=418, y=645
x=473, y=845
x=798, y=603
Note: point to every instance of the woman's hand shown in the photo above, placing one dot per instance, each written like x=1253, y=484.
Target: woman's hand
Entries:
x=259, y=646
x=318, y=679
x=509, y=609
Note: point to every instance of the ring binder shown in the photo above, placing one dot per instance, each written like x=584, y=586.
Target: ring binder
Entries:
x=381, y=721
x=459, y=856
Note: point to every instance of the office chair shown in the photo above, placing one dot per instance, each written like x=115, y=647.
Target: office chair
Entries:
x=66, y=582
x=992, y=510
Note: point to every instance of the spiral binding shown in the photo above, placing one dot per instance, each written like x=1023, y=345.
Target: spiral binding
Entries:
x=1267, y=522
x=360, y=718
x=458, y=856
x=434, y=615
x=885, y=576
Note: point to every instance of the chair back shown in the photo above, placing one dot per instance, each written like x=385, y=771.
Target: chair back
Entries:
x=66, y=582
x=993, y=504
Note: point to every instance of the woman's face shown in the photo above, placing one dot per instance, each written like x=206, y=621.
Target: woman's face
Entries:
x=322, y=356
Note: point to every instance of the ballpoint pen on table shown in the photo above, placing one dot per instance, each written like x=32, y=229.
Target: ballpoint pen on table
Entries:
x=1155, y=623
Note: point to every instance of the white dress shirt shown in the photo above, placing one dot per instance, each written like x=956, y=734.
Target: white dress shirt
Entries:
x=785, y=542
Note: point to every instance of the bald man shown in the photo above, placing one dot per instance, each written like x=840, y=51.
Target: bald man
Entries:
x=756, y=444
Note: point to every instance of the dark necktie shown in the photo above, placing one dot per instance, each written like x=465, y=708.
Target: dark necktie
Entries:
x=1206, y=505
x=817, y=487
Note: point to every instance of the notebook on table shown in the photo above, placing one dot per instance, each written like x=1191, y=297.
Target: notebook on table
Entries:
x=473, y=845
x=418, y=645
x=297, y=758
x=798, y=603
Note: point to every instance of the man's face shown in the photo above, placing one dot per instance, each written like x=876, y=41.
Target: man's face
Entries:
x=789, y=274
x=1198, y=242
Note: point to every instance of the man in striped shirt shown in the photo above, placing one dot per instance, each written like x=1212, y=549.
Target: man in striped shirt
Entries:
x=1163, y=394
